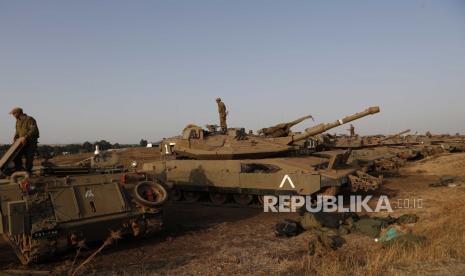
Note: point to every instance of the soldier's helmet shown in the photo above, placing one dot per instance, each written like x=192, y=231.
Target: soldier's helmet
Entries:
x=16, y=110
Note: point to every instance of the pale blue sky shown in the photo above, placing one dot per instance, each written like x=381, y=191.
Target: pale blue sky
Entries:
x=125, y=70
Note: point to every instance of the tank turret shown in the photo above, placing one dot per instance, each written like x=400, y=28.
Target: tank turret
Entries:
x=198, y=143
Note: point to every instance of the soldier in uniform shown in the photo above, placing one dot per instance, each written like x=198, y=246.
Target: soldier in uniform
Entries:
x=28, y=133
x=223, y=113
x=352, y=130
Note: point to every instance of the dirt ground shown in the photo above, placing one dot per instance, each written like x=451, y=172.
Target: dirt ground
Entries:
x=125, y=156
x=206, y=240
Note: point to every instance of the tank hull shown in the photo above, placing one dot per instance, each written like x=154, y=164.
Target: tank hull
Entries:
x=304, y=175
x=44, y=216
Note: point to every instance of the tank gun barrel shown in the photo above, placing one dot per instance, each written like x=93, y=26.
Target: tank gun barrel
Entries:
x=394, y=135
x=298, y=121
x=282, y=129
x=318, y=129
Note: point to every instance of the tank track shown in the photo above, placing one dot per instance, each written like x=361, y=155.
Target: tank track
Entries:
x=27, y=246
x=215, y=199
x=31, y=250
x=232, y=200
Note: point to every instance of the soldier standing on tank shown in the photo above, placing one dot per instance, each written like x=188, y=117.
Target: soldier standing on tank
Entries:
x=352, y=130
x=27, y=133
x=223, y=113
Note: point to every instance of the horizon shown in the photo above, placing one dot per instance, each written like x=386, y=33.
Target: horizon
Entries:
x=150, y=141
x=121, y=72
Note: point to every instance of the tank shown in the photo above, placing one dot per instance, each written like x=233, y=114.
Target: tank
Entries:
x=380, y=154
x=244, y=166
x=356, y=142
x=42, y=216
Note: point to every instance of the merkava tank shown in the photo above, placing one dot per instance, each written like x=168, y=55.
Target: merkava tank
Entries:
x=357, y=141
x=437, y=143
x=386, y=154
x=247, y=166
x=42, y=216
x=378, y=153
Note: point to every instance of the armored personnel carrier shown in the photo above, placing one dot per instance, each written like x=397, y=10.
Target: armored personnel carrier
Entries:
x=246, y=166
x=42, y=216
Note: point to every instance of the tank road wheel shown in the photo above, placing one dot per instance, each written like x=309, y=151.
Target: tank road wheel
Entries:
x=176, y=194
x=191, y=196
x=243, y=199
x=218, y=198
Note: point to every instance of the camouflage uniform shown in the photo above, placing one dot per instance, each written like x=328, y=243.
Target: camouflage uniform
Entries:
x=26, y=126
x=352, y=131
x=223, y=113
